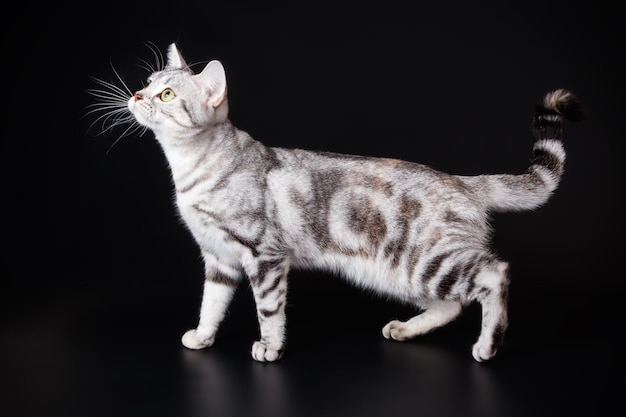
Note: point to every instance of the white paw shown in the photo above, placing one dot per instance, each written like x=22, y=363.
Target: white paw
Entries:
x=264, y=352
x=396, y=330
x=482, y=352
x=194, y=340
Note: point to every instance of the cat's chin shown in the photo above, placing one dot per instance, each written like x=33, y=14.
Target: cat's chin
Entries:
x=137, y=115
x=133, y=107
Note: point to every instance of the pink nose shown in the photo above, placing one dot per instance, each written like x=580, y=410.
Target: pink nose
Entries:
x=137, y=96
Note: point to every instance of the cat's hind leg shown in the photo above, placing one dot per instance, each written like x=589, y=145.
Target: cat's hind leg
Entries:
x=491, y=289
x=219, y=288
x=436, y=314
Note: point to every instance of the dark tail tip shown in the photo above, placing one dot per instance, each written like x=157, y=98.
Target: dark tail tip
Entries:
x=566, y=104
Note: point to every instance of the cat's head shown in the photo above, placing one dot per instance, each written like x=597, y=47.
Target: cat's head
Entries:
x=178, y=104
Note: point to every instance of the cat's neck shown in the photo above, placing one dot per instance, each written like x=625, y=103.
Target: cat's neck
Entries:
x=212, y=149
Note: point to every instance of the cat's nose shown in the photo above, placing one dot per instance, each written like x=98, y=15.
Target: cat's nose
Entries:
x=137, y=96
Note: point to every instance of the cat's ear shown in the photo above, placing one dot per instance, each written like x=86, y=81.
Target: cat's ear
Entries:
x=174, y=58
x=212, y=79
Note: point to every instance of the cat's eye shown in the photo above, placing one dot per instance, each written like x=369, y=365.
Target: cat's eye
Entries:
x=167, y=95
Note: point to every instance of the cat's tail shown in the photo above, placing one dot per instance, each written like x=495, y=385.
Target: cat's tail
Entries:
x=532, y=189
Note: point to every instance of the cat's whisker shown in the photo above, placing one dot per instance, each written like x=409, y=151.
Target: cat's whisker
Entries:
x=109, y=86
x=111, y=107
x=106, y=101
x=108, y=110
x=104, y=105
x=134, y=127
x=113, y=114
x=158, y=57
x=111, y=120
x=117, y=117
x=111, y=89
x=113, y=144
x=108, y=96
x=146, y=66
x=119, y=77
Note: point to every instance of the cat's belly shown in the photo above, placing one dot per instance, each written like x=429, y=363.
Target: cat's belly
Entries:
x=377, y=274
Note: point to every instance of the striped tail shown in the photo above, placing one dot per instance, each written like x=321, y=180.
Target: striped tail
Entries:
x=548, y=152
x=527, y=191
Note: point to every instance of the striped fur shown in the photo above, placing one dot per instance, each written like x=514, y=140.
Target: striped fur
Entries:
x=399, y=228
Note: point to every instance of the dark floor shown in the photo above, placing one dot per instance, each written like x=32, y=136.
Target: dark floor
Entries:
x=117, y=353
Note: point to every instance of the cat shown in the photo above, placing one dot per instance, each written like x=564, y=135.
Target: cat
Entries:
x=402, y=229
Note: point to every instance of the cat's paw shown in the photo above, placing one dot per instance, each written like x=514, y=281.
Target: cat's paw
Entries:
x=266, y=352
x=397, y=330
x=194, y=340
x=483, y=351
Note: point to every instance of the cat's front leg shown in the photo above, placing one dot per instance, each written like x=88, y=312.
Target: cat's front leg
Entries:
x=219, y=288
x=269, y=286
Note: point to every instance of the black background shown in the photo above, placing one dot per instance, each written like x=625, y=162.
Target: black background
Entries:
x=100, y=279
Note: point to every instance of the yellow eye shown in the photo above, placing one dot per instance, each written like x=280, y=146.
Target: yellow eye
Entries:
x=167, y=95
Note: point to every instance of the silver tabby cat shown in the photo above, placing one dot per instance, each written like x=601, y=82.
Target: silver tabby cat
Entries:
x=398, y=228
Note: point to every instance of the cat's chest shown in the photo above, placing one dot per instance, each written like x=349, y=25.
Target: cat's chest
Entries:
x=220, y=225
x=206, y=227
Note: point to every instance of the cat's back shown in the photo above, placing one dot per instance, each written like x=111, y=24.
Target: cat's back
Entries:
x=323, y=173
x=351, y=169
x=330, y=196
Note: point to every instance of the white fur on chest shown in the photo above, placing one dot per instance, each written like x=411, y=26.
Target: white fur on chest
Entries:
x=209, y=236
